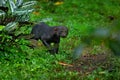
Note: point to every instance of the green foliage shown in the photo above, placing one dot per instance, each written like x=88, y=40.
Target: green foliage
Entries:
x=12, y=12
x=83, y=18
x=1, y=27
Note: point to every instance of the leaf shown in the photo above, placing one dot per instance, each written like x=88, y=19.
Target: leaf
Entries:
x=36, y=13
x=12, y=6
x=2, y=13
x=46, y=19
x=64, y=64
x=58, y=3
x=11, y=26
x=1, y=27
x=28, y=4
x=21, y=12
x=102, y=72
x=2, y=2
x=19, y=3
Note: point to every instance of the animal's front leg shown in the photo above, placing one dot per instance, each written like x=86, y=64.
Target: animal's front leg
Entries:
x=56, y=47
x=46, y=44
x=49, y=47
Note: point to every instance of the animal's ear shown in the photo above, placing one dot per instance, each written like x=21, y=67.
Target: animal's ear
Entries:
x=55, y=29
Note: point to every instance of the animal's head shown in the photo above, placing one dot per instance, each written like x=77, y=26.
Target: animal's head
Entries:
x=61, y=31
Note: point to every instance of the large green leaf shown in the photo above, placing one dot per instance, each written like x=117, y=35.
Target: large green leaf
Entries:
x=22, y=12
x=28, y=4
x=12, y=6
x=11, y=26
x=2, y=13
x=19, y=2
x=2, y=2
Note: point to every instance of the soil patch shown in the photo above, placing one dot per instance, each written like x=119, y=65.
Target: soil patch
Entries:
x=87, y=63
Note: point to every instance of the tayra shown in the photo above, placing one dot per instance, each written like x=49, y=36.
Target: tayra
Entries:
x=49, y=35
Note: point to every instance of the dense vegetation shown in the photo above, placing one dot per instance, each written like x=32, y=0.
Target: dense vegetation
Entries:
x=82, y=17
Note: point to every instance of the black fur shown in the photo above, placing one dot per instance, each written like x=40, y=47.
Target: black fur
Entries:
x=49, y=35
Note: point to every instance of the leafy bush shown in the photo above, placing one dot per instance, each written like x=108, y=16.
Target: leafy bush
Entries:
x=13, y=14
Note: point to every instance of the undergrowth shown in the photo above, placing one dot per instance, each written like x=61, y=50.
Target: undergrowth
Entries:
x=20, y=62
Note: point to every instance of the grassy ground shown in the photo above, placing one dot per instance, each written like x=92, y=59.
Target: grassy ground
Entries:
x=80, y=16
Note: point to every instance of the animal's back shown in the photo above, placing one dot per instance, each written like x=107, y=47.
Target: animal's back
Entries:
x=39, y=29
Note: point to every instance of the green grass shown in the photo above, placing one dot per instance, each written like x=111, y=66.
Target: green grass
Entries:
x=80, y=16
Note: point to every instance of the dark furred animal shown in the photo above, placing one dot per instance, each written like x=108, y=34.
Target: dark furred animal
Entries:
x=49, y=35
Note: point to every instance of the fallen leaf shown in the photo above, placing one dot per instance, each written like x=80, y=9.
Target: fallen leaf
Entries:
x=58, y=3
x=36, y=13
x=64, y=64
